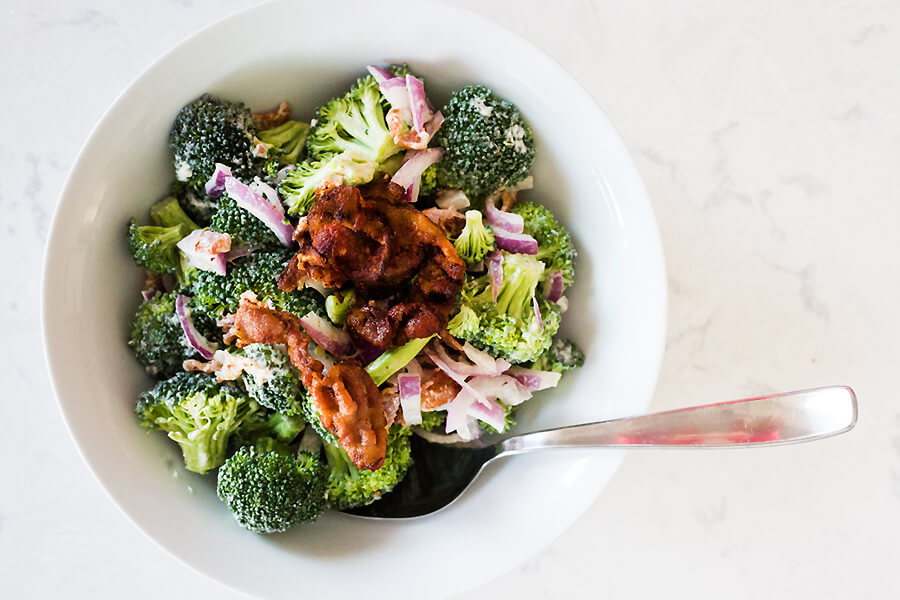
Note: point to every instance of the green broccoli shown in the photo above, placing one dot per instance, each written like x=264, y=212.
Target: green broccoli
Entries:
x=464, y=323
x=199, y=413
x=434, y=420
x=157, y=338
x=509, y=328
x=475, y=240
x=244, y=228
x=286, y=428
x=487, y=143
x=561, y=356
x=338, y=305
x=349, y=487
x=555, y=248
x=353, y=122
x=257, y=273
x=299, y=186
x=509, y=420
x=395, y=359
x=428, y=182
x=278, y=386
x=268, y=489
x=211, y=130
x=314, y=419
x=153, y=247
x=287, y=141
x=198, y=206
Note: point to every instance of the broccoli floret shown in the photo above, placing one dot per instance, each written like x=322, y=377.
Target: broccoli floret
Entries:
x=555, y=248
x=434, y=420
x=211, y=130
x=475, y=240
x=157, y=338
x=257, y=273
x=287, y=141
x=153, y=247
x=244, y=228
x=353, y=122
x=198, y=206
x=349, y=487
x=338, y=305
x=286, y=428
x=395, y=359
x=199, y=413
x=428, y=183
x=299, y=186
x=561, y=356
x=509, y=328
x=278, y=385
x=487, y=143
x=314, y=419
x=268, y=489
x=464, y=324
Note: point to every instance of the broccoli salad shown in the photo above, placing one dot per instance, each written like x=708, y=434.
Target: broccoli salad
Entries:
x=319, y=290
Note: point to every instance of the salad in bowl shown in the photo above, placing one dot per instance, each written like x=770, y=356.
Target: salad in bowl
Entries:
x=321, y=285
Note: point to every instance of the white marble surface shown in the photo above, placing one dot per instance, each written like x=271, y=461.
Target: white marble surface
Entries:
x=766, y=133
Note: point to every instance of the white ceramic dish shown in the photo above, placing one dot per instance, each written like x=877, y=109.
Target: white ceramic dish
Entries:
x=617, y=308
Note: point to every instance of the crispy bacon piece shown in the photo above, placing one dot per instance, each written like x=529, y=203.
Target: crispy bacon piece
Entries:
x=369, y=237
x=275, y=117
x=348, y=401
x=438, y=390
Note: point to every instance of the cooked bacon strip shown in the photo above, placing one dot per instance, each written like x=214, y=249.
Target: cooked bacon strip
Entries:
x=369, y=237
x=347, y=400
x=275, y=117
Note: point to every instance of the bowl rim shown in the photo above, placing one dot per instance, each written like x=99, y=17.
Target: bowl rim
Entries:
x=640, y=194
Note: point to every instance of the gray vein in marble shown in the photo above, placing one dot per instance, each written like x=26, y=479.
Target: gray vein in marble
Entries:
x=32, y=193
x=725, y=186
x=853, y=114
x=808, y=184
x=867, y=33
x=88, y=18
x=804, y=276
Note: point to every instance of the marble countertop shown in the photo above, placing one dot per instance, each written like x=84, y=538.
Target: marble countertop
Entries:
x=765, y=133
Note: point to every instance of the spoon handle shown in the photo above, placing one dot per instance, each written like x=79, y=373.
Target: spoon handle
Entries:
x=770, y=420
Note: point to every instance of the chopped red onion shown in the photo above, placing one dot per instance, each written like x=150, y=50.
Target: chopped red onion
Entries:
x=495, y=271
x=410, y=172
x=537, y=313
x=433, y=124
x=261, y=187
x=501, y=387
x=533, y=379
x=206, y=250
x=240, y=252
x=331, y=339
x=458, y=419
x=204, y=347
x=410, y=387
x=367, y=352
x=216, y=184
x=270, y=214
x=555, y=287
x=517, y=243
x=485, y=365
x=455, y=199
x=418, y=103
x=397, y=94
x=500, y=219
x=492, y=414
x=457, y=377
x=380, y=74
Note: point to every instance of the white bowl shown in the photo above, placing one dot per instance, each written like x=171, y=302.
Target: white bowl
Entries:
x=91, y=288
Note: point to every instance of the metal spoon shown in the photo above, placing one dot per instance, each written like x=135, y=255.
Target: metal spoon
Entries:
x=441, y=473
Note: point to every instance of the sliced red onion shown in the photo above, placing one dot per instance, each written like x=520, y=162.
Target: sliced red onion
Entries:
x=489, y=364
x=414, y=368
x=380, y=74
x=486, y=365
x=433, y=124
x=367, y=352
x=200, y=247
x=410, y=172
x=333, y=340
x=410, y=387
x=555, y=287
x=452, y=199
x=537, y=313
x=500, y=219
x=271, y=215
x=216, y=183
x=517, y=243
x=418, y=103
x=397, y=95
x=457, y=377
x=458, y=419
x=204, y=347
x=239, y=252
x=500, y=387
x=495, y=270
x=492, y=414
x=533, y=379
x=261, y=187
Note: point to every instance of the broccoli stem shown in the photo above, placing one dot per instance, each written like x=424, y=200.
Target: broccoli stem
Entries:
x=395, y=359
x=168, y=213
